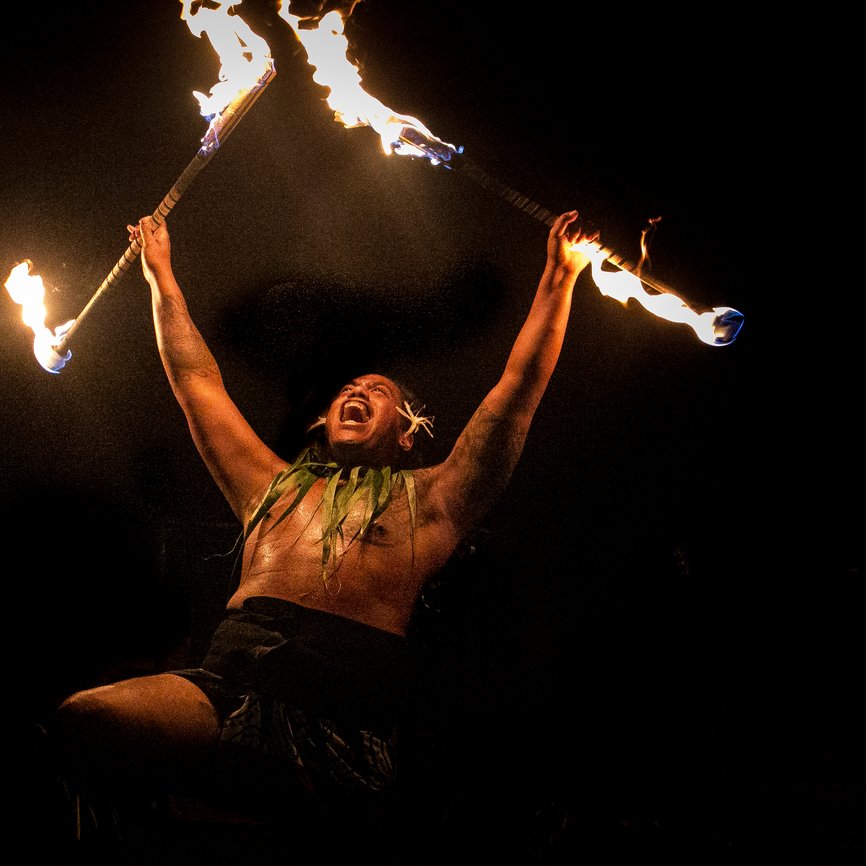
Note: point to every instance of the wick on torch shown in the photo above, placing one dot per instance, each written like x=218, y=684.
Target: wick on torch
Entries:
x=218, y=132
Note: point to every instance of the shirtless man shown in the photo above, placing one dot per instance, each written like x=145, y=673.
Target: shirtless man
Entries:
x=352, y=606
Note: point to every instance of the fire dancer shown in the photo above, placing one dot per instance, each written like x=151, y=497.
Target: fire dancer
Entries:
x=306, y=673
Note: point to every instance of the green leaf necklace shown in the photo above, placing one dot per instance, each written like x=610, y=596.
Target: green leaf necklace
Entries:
x=372, y=486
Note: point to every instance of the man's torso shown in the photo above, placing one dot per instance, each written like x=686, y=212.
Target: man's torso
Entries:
x=374, y=579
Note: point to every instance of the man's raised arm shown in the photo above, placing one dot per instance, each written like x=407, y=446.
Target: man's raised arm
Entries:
x=240, y=463
x=481, y=463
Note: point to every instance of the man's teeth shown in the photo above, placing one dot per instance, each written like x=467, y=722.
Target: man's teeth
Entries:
x=355, y=411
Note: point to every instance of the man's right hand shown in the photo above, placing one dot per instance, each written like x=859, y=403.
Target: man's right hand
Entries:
x=155, y=246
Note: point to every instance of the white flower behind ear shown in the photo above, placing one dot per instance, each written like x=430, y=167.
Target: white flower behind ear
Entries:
x=416, y=420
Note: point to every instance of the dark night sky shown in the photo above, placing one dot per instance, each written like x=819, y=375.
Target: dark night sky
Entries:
x=305, y=253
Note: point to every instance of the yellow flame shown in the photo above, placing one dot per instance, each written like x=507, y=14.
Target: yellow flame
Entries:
x=244, y=57
x=28, y=290
x=623, y=286
x=242, y=53
x=327, y=47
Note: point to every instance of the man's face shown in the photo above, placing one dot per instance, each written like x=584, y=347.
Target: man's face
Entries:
x=363, y=424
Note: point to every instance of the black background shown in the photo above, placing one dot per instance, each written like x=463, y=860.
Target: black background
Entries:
x=667, y=606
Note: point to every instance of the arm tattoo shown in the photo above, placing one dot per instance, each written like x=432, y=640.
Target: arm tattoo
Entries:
x=485, y=455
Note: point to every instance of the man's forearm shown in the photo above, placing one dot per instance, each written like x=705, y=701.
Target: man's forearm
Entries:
x=184, y=353
x=536, y=349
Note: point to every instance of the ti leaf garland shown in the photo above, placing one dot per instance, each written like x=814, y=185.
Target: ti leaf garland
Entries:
x=373, y=486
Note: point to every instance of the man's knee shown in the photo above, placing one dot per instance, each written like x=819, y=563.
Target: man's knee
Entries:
x=150, y=715
x=103, y=708
x=83, y=724
x=140, y=725
x=82, y=705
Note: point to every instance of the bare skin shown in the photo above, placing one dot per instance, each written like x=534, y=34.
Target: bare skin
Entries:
x=375, y=581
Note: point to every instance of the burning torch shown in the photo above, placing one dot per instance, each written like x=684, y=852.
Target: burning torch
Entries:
x=247, y=68
x=327, y=48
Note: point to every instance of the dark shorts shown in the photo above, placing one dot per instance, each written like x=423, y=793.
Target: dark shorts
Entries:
x=319, y=691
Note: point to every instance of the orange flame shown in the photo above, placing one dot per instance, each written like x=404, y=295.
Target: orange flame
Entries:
x=245, y=65
x=715, y=327
x=327, y=46
x=243, y=54
x=28, y=290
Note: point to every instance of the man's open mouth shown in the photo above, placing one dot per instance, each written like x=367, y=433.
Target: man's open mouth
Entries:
x=355, y=411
